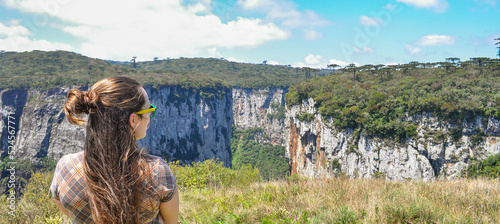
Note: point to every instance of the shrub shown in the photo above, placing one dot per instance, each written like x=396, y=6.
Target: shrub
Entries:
x=489, y=168
x=269, y=159
x=212, y=173
x=307, y=117
x=36, y=204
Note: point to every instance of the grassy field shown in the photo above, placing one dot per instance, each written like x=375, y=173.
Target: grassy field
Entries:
x=223, y=195
x=342, y=200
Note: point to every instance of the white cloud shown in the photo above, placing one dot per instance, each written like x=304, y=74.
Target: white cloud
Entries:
x=13, y=28
x=286, y=12
x=390, y=7
x=412, y=49
x=341, y=63
x=273, y=63
x=313, y=59
x=436, y=40
x=317, y=61
x=15, y=37
x=199, y=8
x=151, y=28
x=364, y=50
x=312, y=35
x=213, y=53
x=438, y=5
x=252, y=4
x=391, y=63
x=367, y=21
x=235, y=60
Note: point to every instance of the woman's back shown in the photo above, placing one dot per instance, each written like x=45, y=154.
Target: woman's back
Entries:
x=113, y=180
x=68, y=186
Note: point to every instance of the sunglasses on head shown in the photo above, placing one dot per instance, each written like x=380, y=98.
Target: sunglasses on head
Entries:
x=152, y=109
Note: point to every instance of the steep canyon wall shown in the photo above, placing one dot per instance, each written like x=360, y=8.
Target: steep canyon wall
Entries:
x=190, y=125
x=264, y=109
x=317, y=149
x=194, y=125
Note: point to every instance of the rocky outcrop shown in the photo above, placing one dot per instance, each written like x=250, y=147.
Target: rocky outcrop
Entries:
x=190, y=125
x=44, y=129
x=12, y=105
x=317, y=149
x=261, y=108
x=194, y=125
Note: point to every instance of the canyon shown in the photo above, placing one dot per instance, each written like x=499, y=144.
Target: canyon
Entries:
x=196, y=124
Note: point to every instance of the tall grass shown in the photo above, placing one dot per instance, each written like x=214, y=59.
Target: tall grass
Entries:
x=211, y=193
x=342, y=200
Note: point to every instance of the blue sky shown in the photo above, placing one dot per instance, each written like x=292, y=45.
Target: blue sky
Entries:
x=298, y=33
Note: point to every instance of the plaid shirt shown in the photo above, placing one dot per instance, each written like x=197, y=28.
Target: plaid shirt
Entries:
x=68, y=186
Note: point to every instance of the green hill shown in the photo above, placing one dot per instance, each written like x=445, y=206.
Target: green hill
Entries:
x=242, y=75
x=45, y=70
x=375, y=100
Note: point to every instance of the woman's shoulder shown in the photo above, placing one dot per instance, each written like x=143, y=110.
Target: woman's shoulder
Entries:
x=72, y=157
x=155, y=161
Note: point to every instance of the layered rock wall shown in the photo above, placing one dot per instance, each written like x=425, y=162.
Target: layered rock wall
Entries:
x=318, y=149
x=261, y=108
x=190, y=125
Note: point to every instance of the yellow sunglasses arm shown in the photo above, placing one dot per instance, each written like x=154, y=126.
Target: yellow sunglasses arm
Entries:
x=146, y=111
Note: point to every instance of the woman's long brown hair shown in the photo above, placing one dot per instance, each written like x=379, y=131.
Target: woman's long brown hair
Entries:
x=113, y=163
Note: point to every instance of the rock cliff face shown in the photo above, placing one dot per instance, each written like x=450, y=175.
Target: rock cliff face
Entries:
x=194, y=125
x=318, y=149
x=189, y=125
x=261, y=108
x=11, y=105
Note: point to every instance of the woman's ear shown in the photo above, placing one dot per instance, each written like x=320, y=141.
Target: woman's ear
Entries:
x=131, y=120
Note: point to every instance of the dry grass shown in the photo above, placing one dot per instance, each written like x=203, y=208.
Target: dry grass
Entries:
x=342, y=200
x=298, y=200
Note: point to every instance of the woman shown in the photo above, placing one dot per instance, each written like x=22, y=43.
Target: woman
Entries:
x=112, y=180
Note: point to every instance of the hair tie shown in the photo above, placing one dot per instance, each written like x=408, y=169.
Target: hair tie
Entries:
x=90, y=105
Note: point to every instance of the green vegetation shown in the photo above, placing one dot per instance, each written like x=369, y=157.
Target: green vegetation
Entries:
x=23, y=169
x=296, y=200
x=35, y=205
x=279, y=112
x=269, y=159
x=210, y=173
x=307, y=117
x=378, y=98
x=489, y=168
x=242, y=75
x=46, y=70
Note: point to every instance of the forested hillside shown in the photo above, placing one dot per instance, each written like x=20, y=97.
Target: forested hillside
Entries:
x=46, y=70
x=242, y=75
x=376, y=99
x=269, y=159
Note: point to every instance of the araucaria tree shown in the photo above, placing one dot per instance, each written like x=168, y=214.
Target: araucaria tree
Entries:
x=352, y=68
x=134, y=63
x=498, y=43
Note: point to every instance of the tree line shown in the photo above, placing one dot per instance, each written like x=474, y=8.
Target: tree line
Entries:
x=375, y=99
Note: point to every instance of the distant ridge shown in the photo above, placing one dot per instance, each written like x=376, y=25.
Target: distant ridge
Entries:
x=49, y=69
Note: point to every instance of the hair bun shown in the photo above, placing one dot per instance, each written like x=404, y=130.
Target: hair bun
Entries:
x=89, y=102
x=79, y=102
